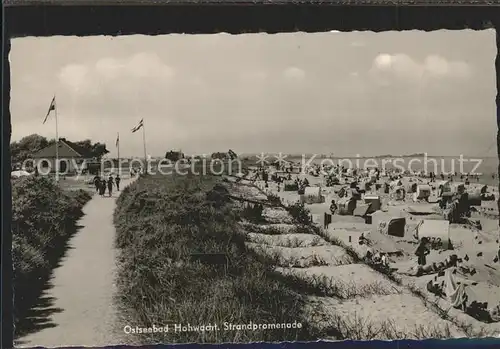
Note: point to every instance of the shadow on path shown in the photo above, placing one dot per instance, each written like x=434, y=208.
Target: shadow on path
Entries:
x=34, y=307
x=72, y=305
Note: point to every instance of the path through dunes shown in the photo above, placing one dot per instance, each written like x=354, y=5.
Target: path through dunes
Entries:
x=82, y=287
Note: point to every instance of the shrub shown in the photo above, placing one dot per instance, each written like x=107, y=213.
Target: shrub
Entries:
x=300, y=213
x=253, y=212
x=43, y=218
x=291, y=187
x=274, y=199
x=161, y=222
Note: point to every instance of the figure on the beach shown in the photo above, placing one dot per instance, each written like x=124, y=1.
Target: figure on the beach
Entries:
x=110, y=185
x=117, y=181
x=333, y=207
x=422, y=251
x=362, y=240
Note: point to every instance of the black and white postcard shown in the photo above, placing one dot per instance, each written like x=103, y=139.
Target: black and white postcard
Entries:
x=257, y=187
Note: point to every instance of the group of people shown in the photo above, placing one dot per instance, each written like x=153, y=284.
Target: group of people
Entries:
x=101, y=184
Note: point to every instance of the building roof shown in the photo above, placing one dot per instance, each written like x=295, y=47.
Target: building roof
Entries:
x=66, y=149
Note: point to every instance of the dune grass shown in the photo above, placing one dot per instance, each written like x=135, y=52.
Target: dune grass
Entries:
x=161, y=221
x=356, y=327
x=326, y=286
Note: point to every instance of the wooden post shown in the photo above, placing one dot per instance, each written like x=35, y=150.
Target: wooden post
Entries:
x=144, y=143
x=497, y=66
x=118, y=146
x=57, y=140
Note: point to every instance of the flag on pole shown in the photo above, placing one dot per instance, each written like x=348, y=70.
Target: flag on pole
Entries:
x=117, y=140
x=138, y=127
x=52, y=107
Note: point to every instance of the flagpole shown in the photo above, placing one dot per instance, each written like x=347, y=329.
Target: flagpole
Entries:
x=57, y=140
x=119, y=164
x=144, y=142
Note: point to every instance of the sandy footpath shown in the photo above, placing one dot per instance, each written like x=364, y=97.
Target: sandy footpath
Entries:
x=83, y=284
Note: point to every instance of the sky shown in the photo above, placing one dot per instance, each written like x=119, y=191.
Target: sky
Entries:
x=347, y=93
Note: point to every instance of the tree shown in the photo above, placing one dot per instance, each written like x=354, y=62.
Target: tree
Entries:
x=219, y=155
x=99, y=150
x=174, y=155
x=96, y=150
x=27, y=146
x=232, y=154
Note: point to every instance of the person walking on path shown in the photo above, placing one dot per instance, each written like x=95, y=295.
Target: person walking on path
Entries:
x=102, y=187
x=110, y=185
x=117, y=181
x=97, y=183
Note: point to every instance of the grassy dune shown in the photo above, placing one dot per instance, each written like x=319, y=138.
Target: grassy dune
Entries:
x=43, y=218
x=161, y=221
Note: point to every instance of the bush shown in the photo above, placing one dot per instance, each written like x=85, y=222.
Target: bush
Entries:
x=161, y=222
x=43, y=218
x=274, y=199
x=291, y=187
x=300, y=213
x=253, y=212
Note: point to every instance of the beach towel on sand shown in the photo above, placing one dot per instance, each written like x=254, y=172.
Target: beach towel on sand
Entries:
x=462, y=295
x=455, y=293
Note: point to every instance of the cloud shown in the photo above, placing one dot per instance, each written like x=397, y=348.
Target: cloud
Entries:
x=358, y=44
x=141, y=65
x=85, y=78
x=294, y=73
x=197, y=81
x=186, y=104
x=253, y=76
x=433, y=66
x=74, y=76
x=437, y=65
x=109, y=67
x=144, y=65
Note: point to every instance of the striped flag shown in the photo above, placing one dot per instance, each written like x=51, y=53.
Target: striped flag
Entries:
x=117, y=140
x=52, y=107
x=138, y=127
